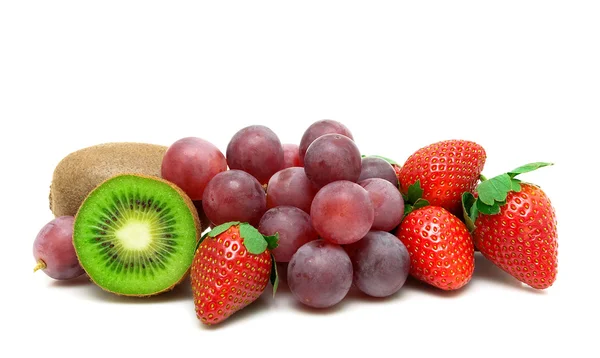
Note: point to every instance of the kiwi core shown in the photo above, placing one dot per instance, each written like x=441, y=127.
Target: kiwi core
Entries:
x=135, y=235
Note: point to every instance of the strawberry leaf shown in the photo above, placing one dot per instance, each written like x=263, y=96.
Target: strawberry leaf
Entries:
x=414, y=192
x=469, y=210
x=274, y=275
x=494, y=189
x=253, y=240
x=222, y=228
x=420, y=203
x=528, y=168
x=272, y=241
x=515, y=185
x=487, y=209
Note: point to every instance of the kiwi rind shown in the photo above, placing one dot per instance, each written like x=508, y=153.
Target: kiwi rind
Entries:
x=190, y=205
x=77, y=174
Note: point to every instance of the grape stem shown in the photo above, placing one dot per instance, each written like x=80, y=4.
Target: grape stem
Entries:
x=40, y=265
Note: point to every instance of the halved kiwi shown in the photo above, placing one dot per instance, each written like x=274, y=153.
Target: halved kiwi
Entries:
x=136, y=235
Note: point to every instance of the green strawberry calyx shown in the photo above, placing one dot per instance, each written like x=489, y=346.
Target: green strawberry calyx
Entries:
x=492, y=193
x=413, y=199
x=255, y=242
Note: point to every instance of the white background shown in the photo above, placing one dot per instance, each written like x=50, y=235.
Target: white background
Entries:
x=522, y=78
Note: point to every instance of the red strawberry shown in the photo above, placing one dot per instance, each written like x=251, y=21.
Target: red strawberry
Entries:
x=397, y=169
x=231, y=269
x=515, y=227
x=445, y=170
x=440, y=247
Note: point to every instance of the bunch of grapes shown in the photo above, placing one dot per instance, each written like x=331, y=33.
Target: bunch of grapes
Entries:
x=332, y=208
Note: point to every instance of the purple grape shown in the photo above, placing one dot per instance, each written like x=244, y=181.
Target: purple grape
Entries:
x=234, y=195
x=291, y=156
x=330, y=158
x=320, y=274
x=291, y=187
x=54, y=252
x=381, y=263
x=317, y=129
x=257, y=151
x=387, y=203
x=191, y=163
x=293, y=226
x=342, y=212
x=373, y=167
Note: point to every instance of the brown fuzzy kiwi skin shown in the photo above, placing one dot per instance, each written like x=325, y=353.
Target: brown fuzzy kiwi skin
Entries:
x=77, y=174
x=191, y=207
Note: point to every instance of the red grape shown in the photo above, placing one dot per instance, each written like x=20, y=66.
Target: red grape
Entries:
x=54, y=252
x=381, y=263
x=291, y=156
x=234, y=195
x=293, y=226
x=320, y=274
x=291, y=186
x=387, y=203
x=190, y=163
x=317, y=129
x=342, y=212
x=332, y=157
x=257, y=151
x=373, y=167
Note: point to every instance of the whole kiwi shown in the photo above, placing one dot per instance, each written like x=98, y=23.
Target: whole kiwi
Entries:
x=80, y=172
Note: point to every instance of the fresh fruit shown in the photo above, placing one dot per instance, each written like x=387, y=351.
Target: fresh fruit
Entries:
x=320, y=274
x=397, y=170
x=320, y=128
x=381, y=263
x=53, y=250
x=81, y=171
x=292, y=187
x=294, y=229
x=440, y=247
x=387, y=201
x=376, y=167
x=515, y=227
x=330, y=158
x=257, y=151
x=291, y=156
x=190, y=163
x=231, y=269
x=136, y=235
x=445, y=170
x=234, y=195
x=342, y=212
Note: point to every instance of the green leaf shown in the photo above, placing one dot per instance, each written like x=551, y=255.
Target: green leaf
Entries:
x=274, y=275
x=200, y=241
x=272, y=241
x=391, y=161
x=515, y=185
x=494, y=189
x=468, y=201
x=253, y=240
x=487, y=209
x=528, y=168
x=222, y=228
x=414, y=192
x=420, y=203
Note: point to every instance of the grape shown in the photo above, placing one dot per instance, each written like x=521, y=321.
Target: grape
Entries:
x=54, y=252
x=320, y=274
x=342, y=212
x=317, y=129
x=190, y=163
x=381, y=263
x=293, y=226
x=332, y=157
x=373, y=167
x=257, y=151
x=291, y=187
x=387, y=203
x=291, y=157
x=234, y=195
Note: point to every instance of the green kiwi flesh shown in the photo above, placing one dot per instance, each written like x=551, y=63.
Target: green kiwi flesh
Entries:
x=136, y=235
